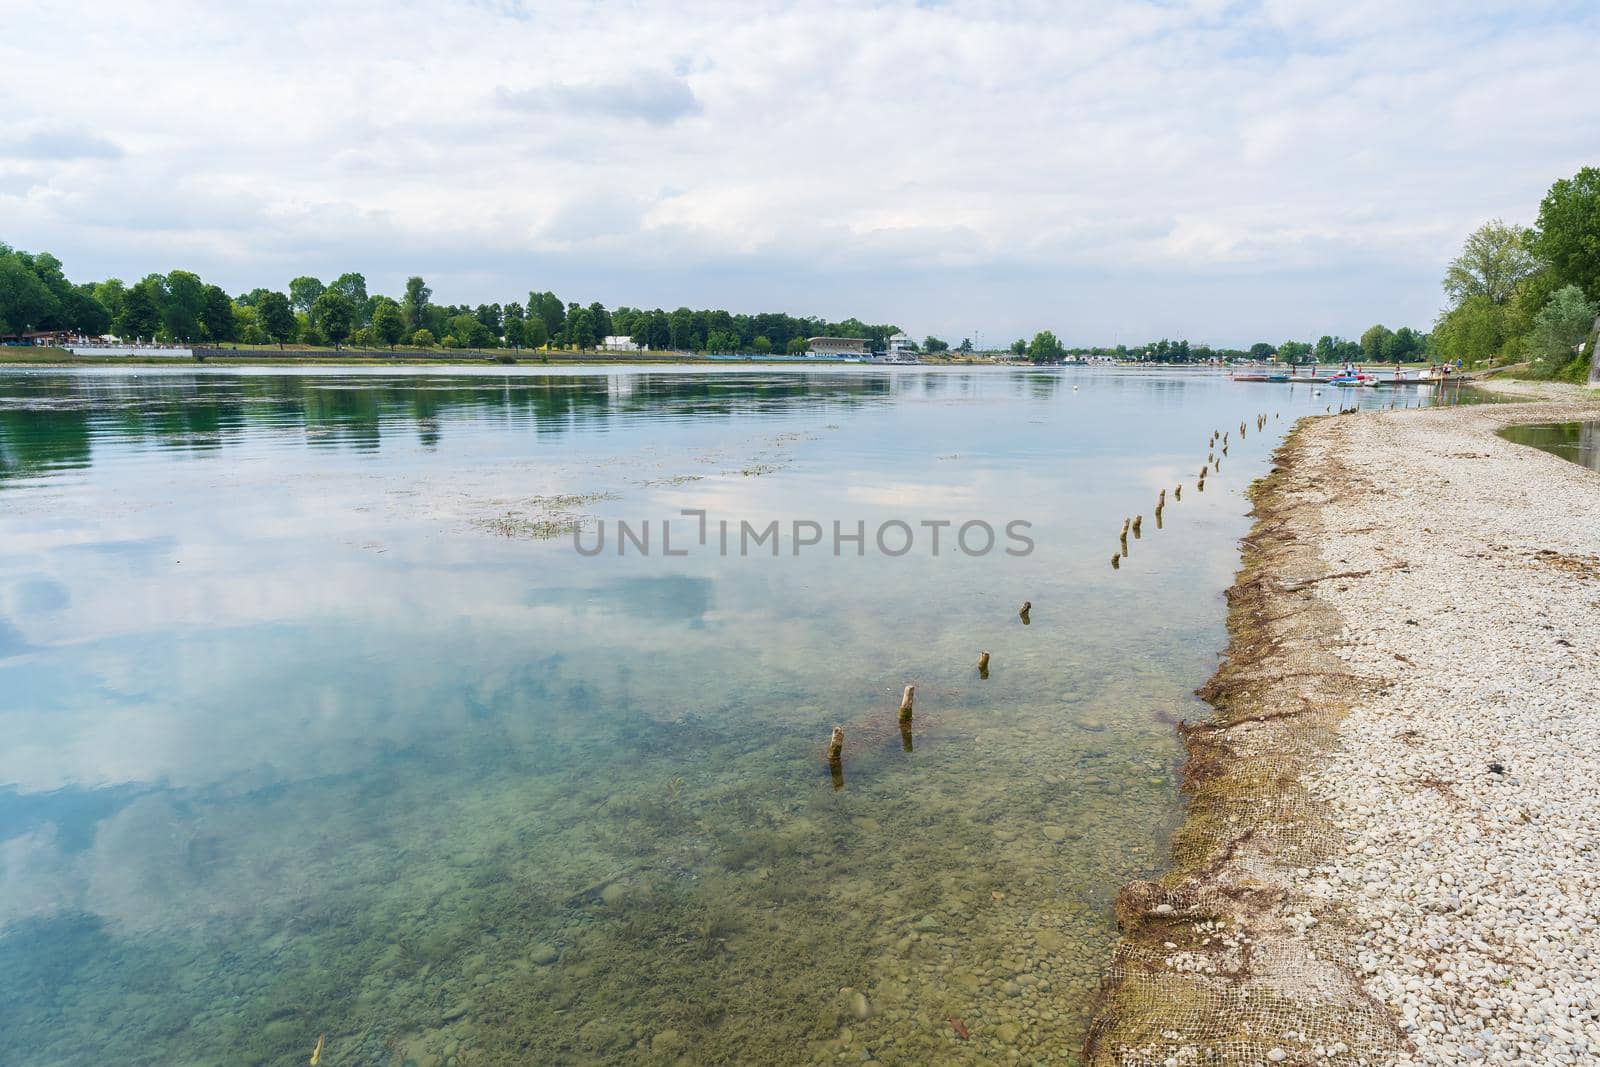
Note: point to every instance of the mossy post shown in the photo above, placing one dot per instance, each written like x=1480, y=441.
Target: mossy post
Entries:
x=983, y=672
x=1177, y=494
x=1138, y=522
x=1116, y=561
x=1027, y=606
x=836, y=747
x=906, y=699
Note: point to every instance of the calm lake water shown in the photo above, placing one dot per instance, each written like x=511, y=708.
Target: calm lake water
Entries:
x=1577, y=441
x=316, y=723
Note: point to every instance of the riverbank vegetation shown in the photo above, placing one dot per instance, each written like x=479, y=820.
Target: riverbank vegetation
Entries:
x=1529, y=294
x=180, y=307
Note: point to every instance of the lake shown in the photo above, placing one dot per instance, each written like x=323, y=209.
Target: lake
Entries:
x=319, y=721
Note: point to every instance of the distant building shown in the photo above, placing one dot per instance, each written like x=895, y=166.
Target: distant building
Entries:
x=902, y=347
x=836, y=346
x=620, y=344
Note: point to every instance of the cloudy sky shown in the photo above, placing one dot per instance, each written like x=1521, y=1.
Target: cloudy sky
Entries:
x=1226, y=172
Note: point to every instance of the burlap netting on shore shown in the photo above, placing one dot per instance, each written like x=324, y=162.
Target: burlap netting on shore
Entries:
x=1238, y=956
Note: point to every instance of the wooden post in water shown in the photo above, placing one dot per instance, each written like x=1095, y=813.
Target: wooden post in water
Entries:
x=836, y=746
x=905, y=703
x=1138, y=521
x=1027, y=606
x=983, y=672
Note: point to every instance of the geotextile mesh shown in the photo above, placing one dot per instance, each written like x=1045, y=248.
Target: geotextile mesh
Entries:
x=1240, y=954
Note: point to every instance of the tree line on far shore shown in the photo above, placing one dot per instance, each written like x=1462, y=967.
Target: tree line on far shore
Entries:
x=179, y=307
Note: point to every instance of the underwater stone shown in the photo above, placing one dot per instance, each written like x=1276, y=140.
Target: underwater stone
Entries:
x=612, y=895
x=859, y=1007
x=542, y=954
x=928, y=922
x=666, y=1041
x=1053, y=833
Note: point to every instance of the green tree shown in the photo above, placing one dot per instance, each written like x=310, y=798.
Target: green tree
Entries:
x=423, y=339
x=933, y=344
x=1373, y=342
x=334, y=315
x=1558, y=328
x=580, y=327
x=277, y=317
x=1404, y=345
x=303, y=293
x=534, y=334
x=248, y=320
x=354, y=288
x=1567, y=235
x=141, y=311
x=797, y=346
x=762, y=345
x=415, y=303
x=1261, y=350
x=1045, y=348
x=183, y=303
x=217, y=321
x=722, y=341
x=1494, y=261
x=26, y=302
x=1294, y=352
x=548, y=307
x=389, y=323
x=515, y=332
x=110, y=294
x=1474, y=331
x=965, y=345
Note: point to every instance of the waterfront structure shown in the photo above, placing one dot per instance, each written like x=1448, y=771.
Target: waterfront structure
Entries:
x=621, y=344
x=902, y=349
x=830, y=347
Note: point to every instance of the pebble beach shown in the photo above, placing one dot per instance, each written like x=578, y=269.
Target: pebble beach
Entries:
x=1392, y=854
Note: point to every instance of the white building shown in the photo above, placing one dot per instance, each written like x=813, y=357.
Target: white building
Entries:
x=902, y=349
x=620, y=344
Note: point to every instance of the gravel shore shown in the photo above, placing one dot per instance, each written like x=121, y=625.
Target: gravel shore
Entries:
x=1392, y=854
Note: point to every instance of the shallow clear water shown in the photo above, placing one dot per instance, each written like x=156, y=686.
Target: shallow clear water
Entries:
x=1577, y=441
x=317, y=724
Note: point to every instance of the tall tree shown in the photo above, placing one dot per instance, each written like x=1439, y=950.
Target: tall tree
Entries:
x=217, y=321
x=353, y=286
x=1374, y=339
x=415, y=303
x=334, y=316
x=277, y=317
x=303, y=293
x=183, y=302
x=1558, y=328
x=1568, y=231
x=26, y=302
x=389, y=322
x=141, y=311
x=534, y=334
x=1495, y=258
x=1045, y=348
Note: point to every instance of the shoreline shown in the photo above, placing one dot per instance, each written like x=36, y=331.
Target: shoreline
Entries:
x=1352, y=883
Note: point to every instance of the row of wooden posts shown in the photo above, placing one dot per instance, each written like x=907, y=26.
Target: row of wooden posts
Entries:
x=1134, y=526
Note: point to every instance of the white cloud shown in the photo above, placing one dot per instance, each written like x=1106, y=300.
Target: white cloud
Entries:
x=1226, y=167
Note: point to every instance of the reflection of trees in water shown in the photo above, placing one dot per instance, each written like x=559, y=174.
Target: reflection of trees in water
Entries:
x=49, y=422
